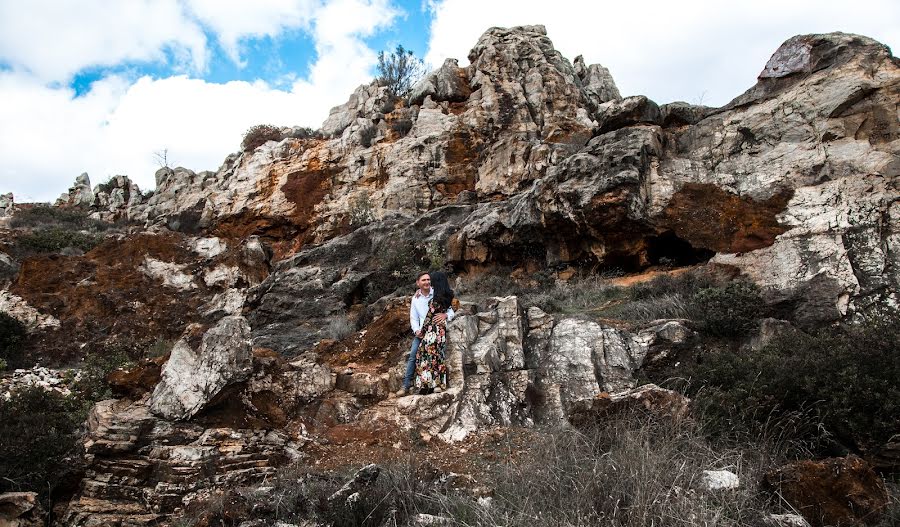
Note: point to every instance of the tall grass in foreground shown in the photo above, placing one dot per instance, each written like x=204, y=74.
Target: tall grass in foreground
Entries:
x=633, y=470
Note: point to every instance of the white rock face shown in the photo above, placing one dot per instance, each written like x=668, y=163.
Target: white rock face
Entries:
x=223, y=275
x=191, y=378
x=497, y=357
x=79, y=194
x=209, y=247
x=720, y=479
x=7, y=204
x=170, y=274
x=47, y=379
x=19, y=309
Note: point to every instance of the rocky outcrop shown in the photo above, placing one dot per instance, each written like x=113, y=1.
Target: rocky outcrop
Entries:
x=117, y=199
x=449, y=83
x=79, y=194
x=515, y=367
x=7, y=205
x=21, y=509
x=190, y=379
x=141, y=468
x=838, y=491
x=597, y=82
x=796, y=177
x=30, y=317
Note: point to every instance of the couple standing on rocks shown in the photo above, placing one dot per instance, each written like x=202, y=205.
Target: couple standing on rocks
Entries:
x=429, y=312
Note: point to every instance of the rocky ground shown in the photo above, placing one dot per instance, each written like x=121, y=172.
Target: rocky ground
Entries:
x=262, y=307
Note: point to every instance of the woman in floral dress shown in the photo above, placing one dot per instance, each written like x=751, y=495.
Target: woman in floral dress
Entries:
x=431, y=366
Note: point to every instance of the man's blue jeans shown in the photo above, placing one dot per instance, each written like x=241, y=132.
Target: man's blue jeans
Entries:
x=411, y=363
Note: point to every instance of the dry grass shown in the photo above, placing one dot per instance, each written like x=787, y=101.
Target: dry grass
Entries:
x=634, y=470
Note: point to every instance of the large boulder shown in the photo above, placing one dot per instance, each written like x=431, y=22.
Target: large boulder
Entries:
x=192, y=378
x=447, y=83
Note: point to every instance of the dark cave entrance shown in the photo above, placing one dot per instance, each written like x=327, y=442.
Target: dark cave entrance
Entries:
x=664, y=249
x=670, y=250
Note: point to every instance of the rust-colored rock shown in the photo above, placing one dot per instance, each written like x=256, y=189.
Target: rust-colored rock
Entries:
x=648, y=398
x=137, y=380
x=709, y=217
x=834, y=492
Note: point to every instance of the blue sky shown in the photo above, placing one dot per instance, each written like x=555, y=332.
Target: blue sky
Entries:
x=98, y=86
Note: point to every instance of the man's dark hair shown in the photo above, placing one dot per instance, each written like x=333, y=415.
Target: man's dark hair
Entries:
x=420, y=275
x=440, y=286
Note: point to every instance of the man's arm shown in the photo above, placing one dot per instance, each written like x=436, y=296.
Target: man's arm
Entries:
x=414, y=322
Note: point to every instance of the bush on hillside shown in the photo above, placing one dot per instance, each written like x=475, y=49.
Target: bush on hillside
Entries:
x=259, y=135
x=848, y=378
x=91, y=384
x=12, y=339
x=38, y=431
x=41, y=216
x=54, y=240
x=729, y=311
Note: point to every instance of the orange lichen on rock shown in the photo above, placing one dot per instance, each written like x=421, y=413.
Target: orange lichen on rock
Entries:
x=462, y=155
x=710, y=217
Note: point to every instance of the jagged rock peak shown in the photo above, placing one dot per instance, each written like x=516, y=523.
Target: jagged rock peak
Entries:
x=813, y=52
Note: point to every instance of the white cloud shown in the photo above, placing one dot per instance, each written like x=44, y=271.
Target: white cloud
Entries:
x=53, y=40
x=48, y=136
x=666, y=50
x=233, y=20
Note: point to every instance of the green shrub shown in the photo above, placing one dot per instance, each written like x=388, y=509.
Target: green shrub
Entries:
x=92, y=385
x=848, y=378
x=730, y=311
x=361, y=210
x=3, y=365
x=55, y=239
x=367, y=135
x=259, y=135
x=37, y=433
x=12, y=339
x=65, y=218
x=402, y=126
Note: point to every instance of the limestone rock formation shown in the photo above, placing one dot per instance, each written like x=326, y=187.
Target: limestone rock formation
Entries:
x=7, y=205
x=140, y=468
x=797, y=175
x=521, y=161
x=448, y=83
x=190, y=379
x=117, y=199
x=79, y=194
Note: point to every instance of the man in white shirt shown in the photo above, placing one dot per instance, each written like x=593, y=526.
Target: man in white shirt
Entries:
x=418, y=310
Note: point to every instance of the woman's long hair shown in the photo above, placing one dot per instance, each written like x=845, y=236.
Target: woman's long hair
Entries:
x=440, y=286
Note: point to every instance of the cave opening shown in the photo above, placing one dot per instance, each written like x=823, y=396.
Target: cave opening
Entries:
x=668, y=249
x=665, y=249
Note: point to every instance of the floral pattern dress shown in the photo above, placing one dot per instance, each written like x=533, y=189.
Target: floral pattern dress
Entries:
x=431, y=367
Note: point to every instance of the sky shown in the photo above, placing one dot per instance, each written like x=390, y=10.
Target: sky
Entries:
x=103, y=86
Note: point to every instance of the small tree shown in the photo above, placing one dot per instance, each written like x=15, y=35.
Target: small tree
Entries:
x=399, y=70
